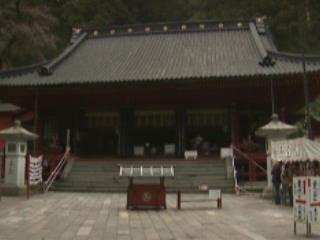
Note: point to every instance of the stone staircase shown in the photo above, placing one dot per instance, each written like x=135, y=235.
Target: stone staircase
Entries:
x=103, y=175
x=253, y=187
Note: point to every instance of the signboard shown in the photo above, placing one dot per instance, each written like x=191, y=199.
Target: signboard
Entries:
x=214, y=193
x=306, y=197
x=225, y=152
x=35, y=170
x=300, y=199
x=314, y=199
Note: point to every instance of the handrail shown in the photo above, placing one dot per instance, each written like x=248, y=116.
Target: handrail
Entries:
x=236, y=185
x=238, y=188
x=56, y=171
x=248, y=158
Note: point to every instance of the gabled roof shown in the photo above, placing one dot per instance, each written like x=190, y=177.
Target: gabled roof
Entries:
x=163, y=51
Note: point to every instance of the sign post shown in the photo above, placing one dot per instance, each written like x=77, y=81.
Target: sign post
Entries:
x=306, y=206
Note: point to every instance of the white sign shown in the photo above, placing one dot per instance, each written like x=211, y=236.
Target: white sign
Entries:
x=191, y=154
x=214, y=193
x=314, y=199
x=35, y=170
x=299, y=199
x=306, y=197
x=287, y=150
x=225, y=152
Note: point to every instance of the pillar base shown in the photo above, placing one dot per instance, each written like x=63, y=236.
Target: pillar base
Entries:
x=13, y=191
x=267, y=193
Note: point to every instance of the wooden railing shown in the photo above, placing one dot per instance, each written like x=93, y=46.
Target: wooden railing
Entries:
x=53, y=175
x=253, y=161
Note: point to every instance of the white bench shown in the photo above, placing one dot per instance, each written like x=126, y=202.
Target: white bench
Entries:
x=191, y=154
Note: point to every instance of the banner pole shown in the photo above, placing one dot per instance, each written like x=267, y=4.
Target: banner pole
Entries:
x=28, y=176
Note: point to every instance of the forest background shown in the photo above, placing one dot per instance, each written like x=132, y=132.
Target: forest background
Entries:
x=33, y=31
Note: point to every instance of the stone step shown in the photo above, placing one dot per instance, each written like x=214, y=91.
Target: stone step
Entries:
x=254, y=187
x=75, y=175
x=107, y=166
x=226, y=189
x=177, y=169
x=176, y=183
x=103, y=176
x=117, y=179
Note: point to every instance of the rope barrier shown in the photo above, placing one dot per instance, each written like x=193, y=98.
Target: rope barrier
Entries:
x=248, y=158
x=56, y=171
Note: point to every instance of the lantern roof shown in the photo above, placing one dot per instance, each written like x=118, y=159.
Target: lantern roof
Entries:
x=17, y=132
x=276, y=128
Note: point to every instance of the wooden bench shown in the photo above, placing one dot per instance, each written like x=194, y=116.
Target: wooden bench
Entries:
x=215, y=196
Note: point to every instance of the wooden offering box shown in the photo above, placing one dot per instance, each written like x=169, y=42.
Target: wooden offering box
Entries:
x=146, y=195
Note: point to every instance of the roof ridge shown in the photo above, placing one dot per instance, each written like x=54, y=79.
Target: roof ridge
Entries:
x=75, y=42
x=266, y=58
x=168, y=27
x=205, y=21
x=23, y=69
x=294, y=56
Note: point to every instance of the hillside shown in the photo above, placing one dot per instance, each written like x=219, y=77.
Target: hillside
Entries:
x=33, y=31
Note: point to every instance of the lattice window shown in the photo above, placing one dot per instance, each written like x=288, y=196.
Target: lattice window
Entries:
x=154, y=119
x=102, y=119
x=207, y=118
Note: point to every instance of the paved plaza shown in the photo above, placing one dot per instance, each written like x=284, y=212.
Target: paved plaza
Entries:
x=103, y=216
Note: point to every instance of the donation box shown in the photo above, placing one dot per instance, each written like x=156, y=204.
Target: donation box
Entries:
x=142, y=191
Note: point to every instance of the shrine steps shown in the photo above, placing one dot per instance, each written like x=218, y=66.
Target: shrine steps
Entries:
x=103, y=176
x=253, y=187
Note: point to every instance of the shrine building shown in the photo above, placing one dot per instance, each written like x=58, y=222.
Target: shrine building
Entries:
x=157, y=89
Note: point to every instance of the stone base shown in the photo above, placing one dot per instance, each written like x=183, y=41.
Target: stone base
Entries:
x=267, y=193
x=13, y=191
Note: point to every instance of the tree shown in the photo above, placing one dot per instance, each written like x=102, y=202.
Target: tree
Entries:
x=34, y=30
x=95, y=13
x=26, y=32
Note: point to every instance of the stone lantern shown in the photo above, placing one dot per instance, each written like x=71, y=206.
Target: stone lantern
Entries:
x=274, y=130
x=16, y=138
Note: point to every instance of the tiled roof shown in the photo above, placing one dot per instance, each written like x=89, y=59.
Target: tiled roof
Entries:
x=163, y=52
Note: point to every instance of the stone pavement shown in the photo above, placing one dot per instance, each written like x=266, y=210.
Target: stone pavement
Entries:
x=103, y=216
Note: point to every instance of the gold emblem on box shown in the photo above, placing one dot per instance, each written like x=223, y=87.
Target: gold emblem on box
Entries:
x=146, y=196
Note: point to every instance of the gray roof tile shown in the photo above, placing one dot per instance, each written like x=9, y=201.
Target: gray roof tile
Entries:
x=231, y=52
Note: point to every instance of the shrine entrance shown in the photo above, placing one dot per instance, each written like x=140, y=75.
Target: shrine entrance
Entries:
x=152, y=132
x=97, y=134
x=207, y=131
